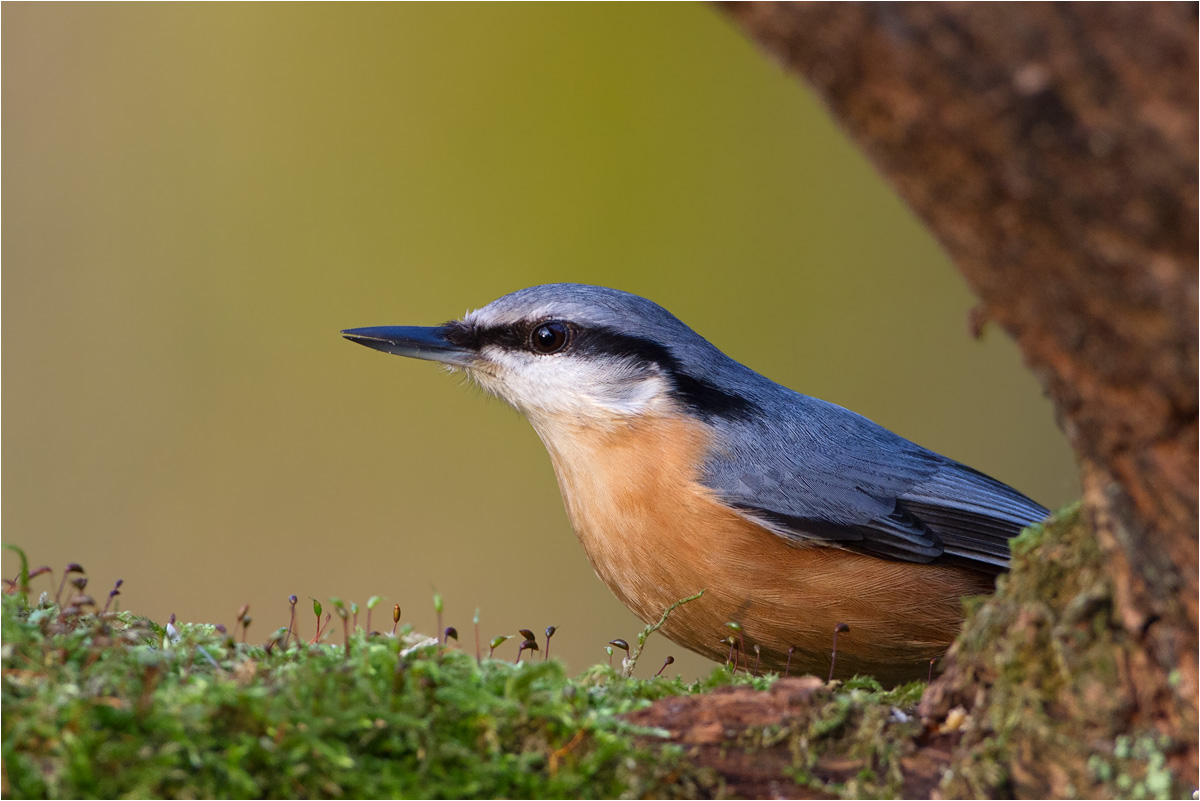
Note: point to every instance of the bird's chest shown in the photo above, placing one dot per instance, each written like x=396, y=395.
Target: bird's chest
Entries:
x=632, y=493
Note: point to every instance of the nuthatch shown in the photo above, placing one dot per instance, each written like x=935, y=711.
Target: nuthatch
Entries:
x=684, y=470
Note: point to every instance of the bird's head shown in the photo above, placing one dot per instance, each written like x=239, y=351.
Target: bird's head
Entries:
x=561, y=352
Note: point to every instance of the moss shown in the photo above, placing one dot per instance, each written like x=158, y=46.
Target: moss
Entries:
x=116, y=705
x=1042, y=667
x=108, y=706
x=861, y=725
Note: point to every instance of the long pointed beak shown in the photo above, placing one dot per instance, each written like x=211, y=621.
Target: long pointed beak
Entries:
x=416, y=342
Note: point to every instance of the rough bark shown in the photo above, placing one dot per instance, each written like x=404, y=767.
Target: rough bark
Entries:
x=1052, y=149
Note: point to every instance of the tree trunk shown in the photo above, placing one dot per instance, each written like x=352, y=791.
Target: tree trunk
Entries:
x=1052, y=149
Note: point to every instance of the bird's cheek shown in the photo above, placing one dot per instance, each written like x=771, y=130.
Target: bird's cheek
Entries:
x=516, y=393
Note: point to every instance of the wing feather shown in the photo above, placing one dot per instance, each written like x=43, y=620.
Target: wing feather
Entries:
x=831, y=477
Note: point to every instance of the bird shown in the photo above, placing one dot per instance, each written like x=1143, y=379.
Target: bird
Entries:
x=682, y=470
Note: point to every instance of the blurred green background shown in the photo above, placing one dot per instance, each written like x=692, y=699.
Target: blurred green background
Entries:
x=198, y=197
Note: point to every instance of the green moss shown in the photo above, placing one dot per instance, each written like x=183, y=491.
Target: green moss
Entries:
x=113, y=708
x=1042, y=666
x=860, y=723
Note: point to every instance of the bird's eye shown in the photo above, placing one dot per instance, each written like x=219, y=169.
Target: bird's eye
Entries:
x=549, y=337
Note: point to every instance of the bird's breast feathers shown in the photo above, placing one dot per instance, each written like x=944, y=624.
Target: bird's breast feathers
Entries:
x=654, y=533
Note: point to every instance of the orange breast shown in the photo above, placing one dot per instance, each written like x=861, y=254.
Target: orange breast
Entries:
x=654, y=534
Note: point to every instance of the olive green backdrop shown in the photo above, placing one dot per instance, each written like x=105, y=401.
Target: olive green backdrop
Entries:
x=198, y=197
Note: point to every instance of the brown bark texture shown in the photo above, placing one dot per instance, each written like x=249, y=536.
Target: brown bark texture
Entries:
x=1052, y=149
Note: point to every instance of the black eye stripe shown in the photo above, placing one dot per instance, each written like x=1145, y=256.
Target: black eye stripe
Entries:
x=475, y=337
x=705, y=399
x=516, y=336
x=607, y=342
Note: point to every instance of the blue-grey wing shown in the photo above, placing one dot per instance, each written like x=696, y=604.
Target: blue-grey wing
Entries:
x=823, y=474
